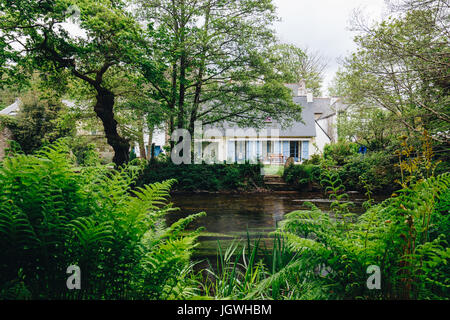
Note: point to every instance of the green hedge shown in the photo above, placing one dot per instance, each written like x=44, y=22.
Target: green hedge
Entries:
x=302, y=175
x=340, y=152
x=378, y=169
x=204, y=177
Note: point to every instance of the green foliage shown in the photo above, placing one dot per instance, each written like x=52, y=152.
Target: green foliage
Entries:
x=406, y=236
x=302, y=175
x=401, y=66
x=238, y=271
x=7, y=97
x=373, y=127
x=202, y=69
x=296, y=65
x=98, y=64
x=333, y=186
x=326, y=255
x=314, y=159
x=376, y=168
x=340, y=152
x=253, y=271
x=204, y=177
x=52, y=217
x=40, y=121
x=337, y=258
x=85, y=152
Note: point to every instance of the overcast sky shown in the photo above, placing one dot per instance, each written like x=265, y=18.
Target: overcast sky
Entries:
x=322, y=25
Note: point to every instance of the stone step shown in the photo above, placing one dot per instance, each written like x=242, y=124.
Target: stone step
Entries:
x=273, y=178
x=276, y=183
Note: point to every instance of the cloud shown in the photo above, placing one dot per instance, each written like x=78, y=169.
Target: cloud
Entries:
x=323, y=26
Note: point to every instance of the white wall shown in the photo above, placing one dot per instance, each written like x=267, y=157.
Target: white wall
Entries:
x=321, y=138
x=159, y=139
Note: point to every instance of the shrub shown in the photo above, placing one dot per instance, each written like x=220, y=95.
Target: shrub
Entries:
x=40, y=121
x=85, y=152
x=205, y=177
x=302, y=175
x=314, y=159
x=406, y=236
x=376, y=168
x=340, y=152
x=396, y=235
x=52, y=217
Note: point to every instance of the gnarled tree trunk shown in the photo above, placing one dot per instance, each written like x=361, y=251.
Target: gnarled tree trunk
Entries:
x=104, y=110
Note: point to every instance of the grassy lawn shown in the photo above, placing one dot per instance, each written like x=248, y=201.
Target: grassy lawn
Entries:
x=273, y=170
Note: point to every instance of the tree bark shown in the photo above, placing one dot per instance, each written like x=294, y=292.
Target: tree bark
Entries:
x=142, y=152
x=150, y=141
x=183, y=66
x=201, y=70
x=104, y=110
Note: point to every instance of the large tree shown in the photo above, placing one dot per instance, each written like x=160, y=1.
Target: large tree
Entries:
x=215, y=57
x=402, y=65
x=295, y=65
x=35, y=35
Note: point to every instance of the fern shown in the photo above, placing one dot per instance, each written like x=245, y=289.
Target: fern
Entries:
x=52, y=217
x=379, y=237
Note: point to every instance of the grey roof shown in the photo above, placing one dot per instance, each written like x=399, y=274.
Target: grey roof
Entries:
x=323, y=106
x=307, y=128
x=12, y=109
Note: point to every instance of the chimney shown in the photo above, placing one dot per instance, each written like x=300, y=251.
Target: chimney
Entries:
x=309, y=97
x=302, y=88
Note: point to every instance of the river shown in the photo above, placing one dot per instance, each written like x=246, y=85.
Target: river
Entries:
x=231, y=216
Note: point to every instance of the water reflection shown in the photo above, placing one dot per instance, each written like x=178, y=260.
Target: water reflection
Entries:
x=236, y=213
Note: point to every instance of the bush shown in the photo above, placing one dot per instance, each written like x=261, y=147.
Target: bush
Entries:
x=204, y=177
x=40, y=121
x=376, y=168
x=340, y=152
x=85, y=152
x=52, y=217
x=302, y=175
x=405, y=237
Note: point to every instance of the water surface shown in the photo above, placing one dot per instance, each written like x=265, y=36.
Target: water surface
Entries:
x=232, y=215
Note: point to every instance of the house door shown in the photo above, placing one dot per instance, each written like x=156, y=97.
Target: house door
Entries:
x=294, y=150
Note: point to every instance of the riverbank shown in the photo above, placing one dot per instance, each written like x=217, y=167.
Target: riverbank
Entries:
x=246, y=178
x=232, y=217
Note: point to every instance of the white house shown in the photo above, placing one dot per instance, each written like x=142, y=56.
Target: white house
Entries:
x=274, y=144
